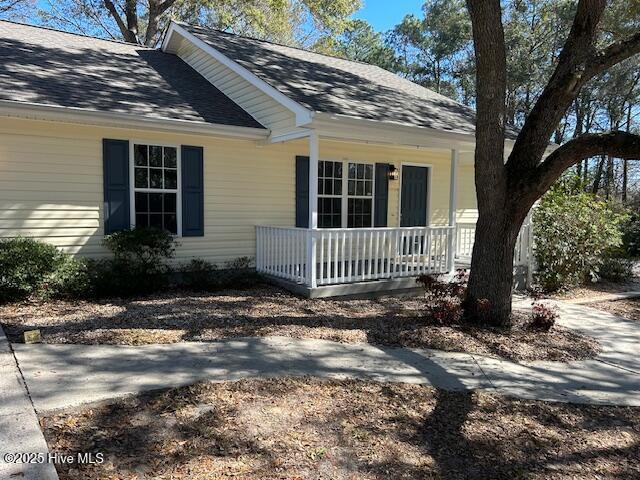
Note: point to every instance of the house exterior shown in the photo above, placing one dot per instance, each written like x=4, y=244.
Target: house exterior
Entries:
x=336, y=176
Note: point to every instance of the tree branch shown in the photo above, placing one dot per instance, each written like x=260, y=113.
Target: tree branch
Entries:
x=561, y=90
x=612, y=55
x=126, y=33
x=616, y=144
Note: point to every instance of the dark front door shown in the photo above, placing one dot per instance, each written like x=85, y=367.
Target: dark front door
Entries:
x=413, y=208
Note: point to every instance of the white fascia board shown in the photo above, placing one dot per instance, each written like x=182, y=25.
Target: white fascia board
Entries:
x=303, y=115
x=35, y=111
x=285, y=136
x=344, y=127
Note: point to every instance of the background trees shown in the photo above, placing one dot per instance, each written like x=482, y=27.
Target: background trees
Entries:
x=303, y=22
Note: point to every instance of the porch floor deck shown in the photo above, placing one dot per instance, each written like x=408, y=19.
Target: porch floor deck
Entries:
x=367, y=288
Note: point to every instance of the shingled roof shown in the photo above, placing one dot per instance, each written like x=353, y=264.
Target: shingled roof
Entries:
x=43, y=66
x=333, y=85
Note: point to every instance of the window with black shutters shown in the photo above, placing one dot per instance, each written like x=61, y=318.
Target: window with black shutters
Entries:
x=156, y=186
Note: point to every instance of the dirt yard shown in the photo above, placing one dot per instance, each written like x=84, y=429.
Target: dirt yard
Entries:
x=314, y=429
x=177, y=317
x=628, y=308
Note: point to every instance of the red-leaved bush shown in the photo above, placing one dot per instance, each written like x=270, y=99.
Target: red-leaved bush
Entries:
x=444, y=299
x=543, y=317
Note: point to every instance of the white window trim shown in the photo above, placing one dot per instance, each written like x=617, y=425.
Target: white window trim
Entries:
x=133, y=189
x=345, y=190
x=429, y=168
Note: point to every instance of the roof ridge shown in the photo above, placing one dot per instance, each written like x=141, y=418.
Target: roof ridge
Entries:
x=231, y=34
x=77, y=34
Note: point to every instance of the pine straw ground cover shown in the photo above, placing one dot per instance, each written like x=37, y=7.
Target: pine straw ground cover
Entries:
x=628, y=308
x=317, y=429
x=176, y=317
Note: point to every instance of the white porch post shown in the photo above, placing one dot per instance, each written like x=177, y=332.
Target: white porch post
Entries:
x=453, y=205
x=314, y=153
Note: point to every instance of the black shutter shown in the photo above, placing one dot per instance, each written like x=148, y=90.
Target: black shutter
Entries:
x=381, y=200
x=115, y=164
x=192, y=191
x=302, y=192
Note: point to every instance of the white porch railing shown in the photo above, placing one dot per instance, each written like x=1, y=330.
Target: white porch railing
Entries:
x=282, y=252
x=352, y=255
x=465, y=236
x=523, y=253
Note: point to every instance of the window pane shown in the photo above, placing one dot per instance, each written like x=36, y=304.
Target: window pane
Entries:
x=171, y=179
x=367, y=188
x=352, y=187
x=366, y=221
x=320, y=169
x=328, y=169
x=170, y=157
x=142, y=178
x=142, y=220
x=155, y=220
x=328, y=187
x=360, y=170
x=366, y=207
x=368, y=172
x=359, y=187
x=155, y=178
x=142, y=202
x=155, y=156
x=320, y=186
x=170, y=223
x=170, y=203
x=337, y=187
x=337, y=173
x=140, y=155
x=155, y=202
x=352, y=170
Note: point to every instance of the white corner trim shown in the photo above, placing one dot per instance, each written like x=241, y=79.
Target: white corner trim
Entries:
x=36, y=111
x=303, y=115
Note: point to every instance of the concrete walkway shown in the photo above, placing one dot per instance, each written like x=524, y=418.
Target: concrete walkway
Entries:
x=62, y=376
x=19, y=428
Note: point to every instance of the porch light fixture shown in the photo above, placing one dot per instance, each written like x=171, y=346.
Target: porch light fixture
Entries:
x=394, y=173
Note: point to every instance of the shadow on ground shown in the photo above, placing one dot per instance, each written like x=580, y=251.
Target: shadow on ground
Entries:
x=180, y=316
x=304, y=428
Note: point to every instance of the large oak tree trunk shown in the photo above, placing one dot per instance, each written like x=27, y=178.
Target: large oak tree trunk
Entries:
x=491, y=278
x=506, y=191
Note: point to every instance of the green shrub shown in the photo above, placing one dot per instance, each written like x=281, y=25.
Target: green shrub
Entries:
x=72, y=278
x=574, y=232
x=616, y=269
x=139, y=263
x=631, y=236
x=24, y=263
x=201, y=275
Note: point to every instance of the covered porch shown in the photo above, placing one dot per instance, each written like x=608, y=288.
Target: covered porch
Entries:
x=382, y=236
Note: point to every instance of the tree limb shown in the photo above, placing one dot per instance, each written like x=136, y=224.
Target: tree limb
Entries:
x=561, y=90
x=616, y=144
x=126, y=33
x=612, y=55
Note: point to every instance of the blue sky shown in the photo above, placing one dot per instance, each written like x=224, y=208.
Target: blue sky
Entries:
x=386, y=14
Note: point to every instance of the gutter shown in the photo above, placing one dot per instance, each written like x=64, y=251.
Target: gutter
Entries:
x=38, y=111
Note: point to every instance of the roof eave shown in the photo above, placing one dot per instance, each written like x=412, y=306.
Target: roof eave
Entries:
x=36, y=111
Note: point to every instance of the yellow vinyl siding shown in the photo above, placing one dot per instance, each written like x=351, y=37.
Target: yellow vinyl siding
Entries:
x=51, y=185
x=467, y=211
